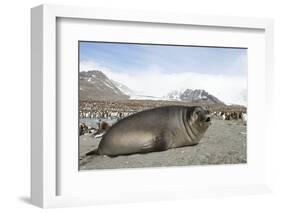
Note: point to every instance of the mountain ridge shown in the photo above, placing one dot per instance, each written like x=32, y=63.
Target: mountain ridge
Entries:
x=95, y=85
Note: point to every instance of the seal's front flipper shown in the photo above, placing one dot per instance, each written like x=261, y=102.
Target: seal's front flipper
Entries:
x=93, y=152
x=148, y=147
x=157, y=144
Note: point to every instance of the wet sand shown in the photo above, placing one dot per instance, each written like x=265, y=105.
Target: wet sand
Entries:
x=223, y=143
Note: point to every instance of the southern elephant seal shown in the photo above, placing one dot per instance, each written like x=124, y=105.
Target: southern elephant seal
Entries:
x=156, y=129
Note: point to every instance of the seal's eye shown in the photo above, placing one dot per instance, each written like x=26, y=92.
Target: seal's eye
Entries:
x=208, y=119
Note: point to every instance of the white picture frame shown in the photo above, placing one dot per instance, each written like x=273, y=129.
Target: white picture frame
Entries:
x=48, y=173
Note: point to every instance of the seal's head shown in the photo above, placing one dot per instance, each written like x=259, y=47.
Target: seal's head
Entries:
x=202, y=117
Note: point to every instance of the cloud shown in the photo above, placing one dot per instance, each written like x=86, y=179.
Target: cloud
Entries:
x=156, y=81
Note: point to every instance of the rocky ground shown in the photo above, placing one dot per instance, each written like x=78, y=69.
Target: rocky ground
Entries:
x=223, y=143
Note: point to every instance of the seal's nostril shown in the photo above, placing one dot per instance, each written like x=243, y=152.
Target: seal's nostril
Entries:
x=208, y=119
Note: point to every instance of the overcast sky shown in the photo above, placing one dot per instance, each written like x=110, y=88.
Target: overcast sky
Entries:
x=157, y=69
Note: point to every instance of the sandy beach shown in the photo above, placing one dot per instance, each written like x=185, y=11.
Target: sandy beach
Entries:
x=223, y=143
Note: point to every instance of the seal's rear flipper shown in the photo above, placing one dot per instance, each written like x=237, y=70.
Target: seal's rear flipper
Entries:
x=93, y=152
x=99, y=135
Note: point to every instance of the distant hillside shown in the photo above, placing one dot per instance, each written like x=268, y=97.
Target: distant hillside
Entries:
x=95, y=85
x=123, y=88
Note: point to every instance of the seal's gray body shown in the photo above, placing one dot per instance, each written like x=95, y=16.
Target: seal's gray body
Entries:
x=157, y=129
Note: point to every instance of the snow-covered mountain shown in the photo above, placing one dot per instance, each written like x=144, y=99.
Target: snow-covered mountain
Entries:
x=174, y=95
x=189, y=95
x=95, y=85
